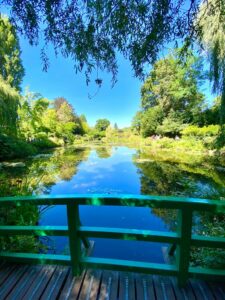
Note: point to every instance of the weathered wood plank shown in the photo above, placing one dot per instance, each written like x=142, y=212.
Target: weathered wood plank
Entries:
x=11, y=281
x=5, y=271
x=109, y=286
x=24, y=283
x=200, y=292
x=184, y=293
x=126, y=286
x=72, y=287
x=217, y=290
x=167, y=288
x=91, y=285
x=39, y=284
x=144, y=287
x=55, y=284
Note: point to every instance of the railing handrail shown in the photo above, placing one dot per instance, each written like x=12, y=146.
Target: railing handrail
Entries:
x=183, y=238
x=120, y=199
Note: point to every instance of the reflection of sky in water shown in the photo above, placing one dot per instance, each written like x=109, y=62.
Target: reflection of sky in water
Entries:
x=114, y=170
x=114, y=174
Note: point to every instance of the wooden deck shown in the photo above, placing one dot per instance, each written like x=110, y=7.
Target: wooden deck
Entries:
x=56, y=282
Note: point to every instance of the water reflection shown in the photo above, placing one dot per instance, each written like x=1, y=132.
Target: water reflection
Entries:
x=107, y=170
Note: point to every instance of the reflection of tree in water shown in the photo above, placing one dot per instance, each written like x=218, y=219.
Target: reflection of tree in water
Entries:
x=163, y=178
x=36, y=177
x=42, y=172
x=103, y=152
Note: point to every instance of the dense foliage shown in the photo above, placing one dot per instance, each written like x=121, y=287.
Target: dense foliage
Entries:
x=11, y=68
x=210, y=22
x=96, y=30
x=170, y=96
x=9, y=103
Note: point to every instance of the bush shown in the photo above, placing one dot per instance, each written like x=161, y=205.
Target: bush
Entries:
x=150, y=119
x=12, y=147
x=42, y=141
x=201, y=132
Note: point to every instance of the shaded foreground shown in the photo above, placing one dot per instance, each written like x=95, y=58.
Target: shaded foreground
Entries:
x=56, y=282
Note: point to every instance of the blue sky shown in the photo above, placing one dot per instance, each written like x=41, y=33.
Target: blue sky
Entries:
x=118, y=104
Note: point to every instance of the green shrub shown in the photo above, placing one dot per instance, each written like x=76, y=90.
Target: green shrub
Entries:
x=201, y=132
x=42, y=141
x=11, y=147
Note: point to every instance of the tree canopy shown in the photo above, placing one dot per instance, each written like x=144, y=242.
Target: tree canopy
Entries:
x=9, y=102
x=11, y=67
x=92, y=32
x=102, y=124
x=170, y=95
x=211, y=25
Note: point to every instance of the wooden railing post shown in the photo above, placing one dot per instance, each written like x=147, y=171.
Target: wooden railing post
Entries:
x=74, y=240
x=183, y=250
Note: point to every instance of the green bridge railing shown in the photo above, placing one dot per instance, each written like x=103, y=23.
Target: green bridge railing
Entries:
x=182, y=238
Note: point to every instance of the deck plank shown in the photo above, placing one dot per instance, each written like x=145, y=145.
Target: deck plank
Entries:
x=200, y=292
x=167, y=288
x=72, y=287
x=23, y=282
x=126, y=286
x=55, y=284
x=38, y=286
x=109, y=286
x=185, y=293
x=144, y=287
x=5, y=271
x=91, y=285
x=217, y=290
x=12, y=280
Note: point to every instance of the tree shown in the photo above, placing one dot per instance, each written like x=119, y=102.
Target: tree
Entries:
x=211, y=26
x=170, y=96
x=31, y=111
x=64, y=110
x=150, y=120
x=116, y=127
x=174, y=85
x=96, y=30
x=11, y=67
x=171, y=126
x=102, y=124
x=136, y=122
x=84, y=124
x=9, y=103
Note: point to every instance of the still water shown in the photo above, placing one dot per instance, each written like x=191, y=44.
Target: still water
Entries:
x=116, y=170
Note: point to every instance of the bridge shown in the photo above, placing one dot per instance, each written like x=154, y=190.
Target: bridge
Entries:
x=79, y=276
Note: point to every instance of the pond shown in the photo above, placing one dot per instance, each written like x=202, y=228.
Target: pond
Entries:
x=116, y=170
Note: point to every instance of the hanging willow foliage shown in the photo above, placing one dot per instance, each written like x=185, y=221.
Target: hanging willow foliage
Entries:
x=9, y=102
x=211, y=34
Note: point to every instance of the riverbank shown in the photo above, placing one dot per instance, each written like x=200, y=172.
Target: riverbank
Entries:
x=189, y=151
x=182, y=150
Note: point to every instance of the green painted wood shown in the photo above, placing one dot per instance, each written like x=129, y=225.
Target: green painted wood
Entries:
x=120, y=199
x=76, y=232
x=36, y=230
x=128, y=234
x=36, y=258
x=128, y=266
x=206, y=273
x=208, y=241
x=74, y=239
x=183, y=250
